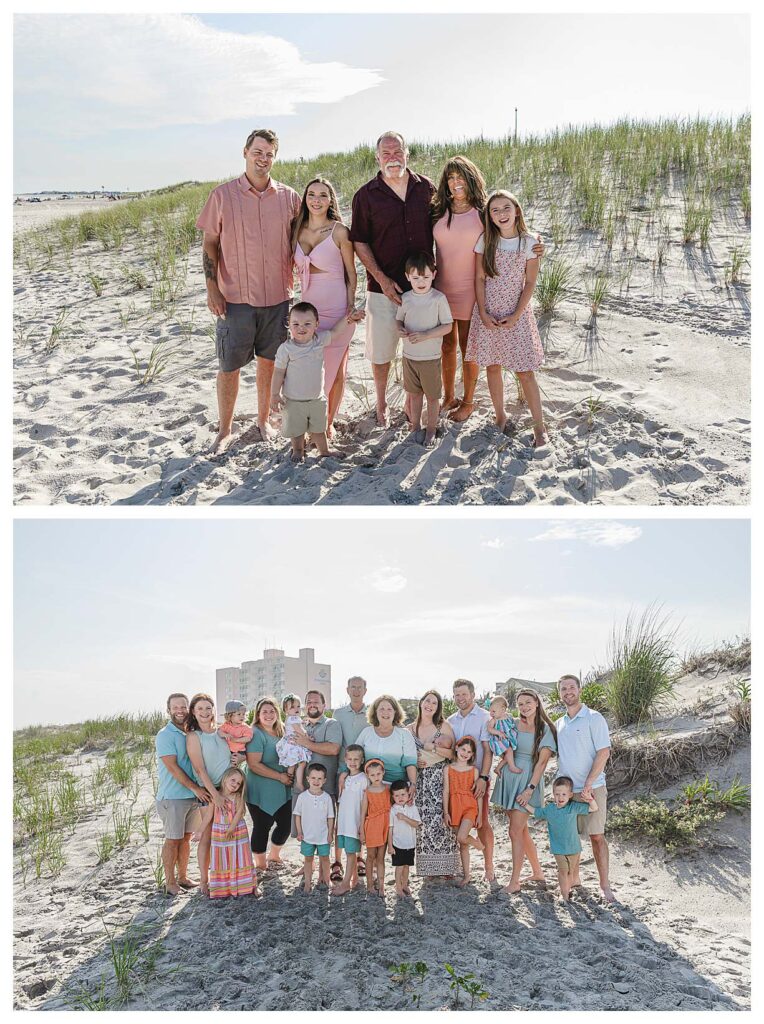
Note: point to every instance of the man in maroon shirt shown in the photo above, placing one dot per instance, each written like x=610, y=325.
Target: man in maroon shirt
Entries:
x=391, y=220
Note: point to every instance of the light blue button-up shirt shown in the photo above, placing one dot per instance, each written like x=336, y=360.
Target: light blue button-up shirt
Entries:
x=578, y=740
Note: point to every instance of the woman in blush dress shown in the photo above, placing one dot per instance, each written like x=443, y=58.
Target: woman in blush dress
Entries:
x=323, y=255
x=457, y=224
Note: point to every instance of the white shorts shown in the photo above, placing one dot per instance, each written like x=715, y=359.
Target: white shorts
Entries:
x=381, y=328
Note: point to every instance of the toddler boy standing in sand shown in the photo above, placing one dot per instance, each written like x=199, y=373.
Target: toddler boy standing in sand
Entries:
x=314, y=822
x=425, y=319
x=562, y=821
x=299, y=374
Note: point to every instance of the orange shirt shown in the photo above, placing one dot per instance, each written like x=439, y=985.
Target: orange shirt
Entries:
x=255, y=264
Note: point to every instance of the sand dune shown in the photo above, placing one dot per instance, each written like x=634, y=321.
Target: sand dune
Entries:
x=650, y=404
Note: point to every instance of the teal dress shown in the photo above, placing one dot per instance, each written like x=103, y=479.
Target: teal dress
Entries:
x=267, y=794
x=510, y=785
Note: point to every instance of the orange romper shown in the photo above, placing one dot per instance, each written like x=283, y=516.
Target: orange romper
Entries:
x=461, y=800
x=377, y=821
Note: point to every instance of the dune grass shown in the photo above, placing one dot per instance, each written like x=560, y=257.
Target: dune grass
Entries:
x=642, y=657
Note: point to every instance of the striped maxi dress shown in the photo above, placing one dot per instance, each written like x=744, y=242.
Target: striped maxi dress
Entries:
x=232, y=872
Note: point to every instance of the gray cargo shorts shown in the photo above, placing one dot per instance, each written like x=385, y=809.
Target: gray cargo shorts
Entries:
x=249, y=331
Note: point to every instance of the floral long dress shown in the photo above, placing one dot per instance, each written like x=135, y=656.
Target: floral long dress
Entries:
x=436, y=849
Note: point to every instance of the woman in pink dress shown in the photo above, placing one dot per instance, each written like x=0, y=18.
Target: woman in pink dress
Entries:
x=457, y=224
x=323, y=255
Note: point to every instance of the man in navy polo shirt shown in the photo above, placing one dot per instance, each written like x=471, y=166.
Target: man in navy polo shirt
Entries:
x=391, y=220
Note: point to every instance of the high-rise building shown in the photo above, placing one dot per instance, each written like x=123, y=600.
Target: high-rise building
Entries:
x=273, y=675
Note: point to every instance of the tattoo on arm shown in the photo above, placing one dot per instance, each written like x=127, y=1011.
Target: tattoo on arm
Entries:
x=210, y=266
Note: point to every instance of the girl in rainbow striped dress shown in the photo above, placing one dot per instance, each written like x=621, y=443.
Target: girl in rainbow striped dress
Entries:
x=232, y=872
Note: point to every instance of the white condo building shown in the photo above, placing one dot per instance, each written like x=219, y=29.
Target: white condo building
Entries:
x=273, y=675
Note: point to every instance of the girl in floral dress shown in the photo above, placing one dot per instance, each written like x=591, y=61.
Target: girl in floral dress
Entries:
x=232, y=872
x=503, y=332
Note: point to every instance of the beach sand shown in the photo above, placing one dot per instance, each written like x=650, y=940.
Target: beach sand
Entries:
x=677, y=939
x=649, y=405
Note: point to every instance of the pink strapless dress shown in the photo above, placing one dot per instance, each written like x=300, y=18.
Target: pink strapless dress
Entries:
x=328, y=293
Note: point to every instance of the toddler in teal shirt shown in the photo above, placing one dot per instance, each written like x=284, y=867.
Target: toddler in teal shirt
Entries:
x=562, y=821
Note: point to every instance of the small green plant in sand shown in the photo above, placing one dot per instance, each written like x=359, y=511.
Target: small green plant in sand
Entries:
x=554, y=281
x=406, y=974
x=741, y=709
x=59, y=330
x=86, y=999
x=105, y=847
x=158, y=360
x=144, y=825
x=122, y=820
x=134, y=277
x=467, y=983
x=738, y=258
x=597, y=288
x=96, y=282
x=157, y=869
x=641, y=657
x=676, y=824
x=125, y=957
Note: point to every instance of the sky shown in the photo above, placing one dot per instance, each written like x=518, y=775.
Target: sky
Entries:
x=136, y=101
x=114, y=615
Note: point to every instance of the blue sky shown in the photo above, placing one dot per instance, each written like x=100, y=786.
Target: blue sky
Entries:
x=141, y=100
x=113, y=615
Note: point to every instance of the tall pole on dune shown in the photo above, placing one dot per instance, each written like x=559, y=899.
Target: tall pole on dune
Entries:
x=515, y=125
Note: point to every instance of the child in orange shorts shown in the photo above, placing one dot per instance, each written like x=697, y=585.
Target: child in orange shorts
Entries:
x=461, y=810
x=375, y=824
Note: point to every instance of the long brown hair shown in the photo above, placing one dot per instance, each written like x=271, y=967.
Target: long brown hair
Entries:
x=437, y=718
x=333, y=213
x=541, y=719
x=192, y=724
x=492, y=235
x=442, y=202
x=278, y=725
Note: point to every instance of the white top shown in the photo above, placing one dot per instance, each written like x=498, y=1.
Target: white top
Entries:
x=349, y=811
x=526, y=242
x=304, y=365
x=314, y=813
x=473, y=724
x=423, y=312
x=404, y=835
x=578, y=740
x=290, y=722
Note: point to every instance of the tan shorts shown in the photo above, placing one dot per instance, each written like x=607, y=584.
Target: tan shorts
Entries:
x=176, y=816
x=422, y=377
x=593, y=823
x=567, y=862
x=381, y=328
x=308, y=417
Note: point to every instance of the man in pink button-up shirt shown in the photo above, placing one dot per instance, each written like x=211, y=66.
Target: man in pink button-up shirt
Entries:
x=247, y=255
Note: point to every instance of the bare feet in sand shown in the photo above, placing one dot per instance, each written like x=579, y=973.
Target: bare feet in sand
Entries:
x=464, y=411
x=607, y=893
x=341, y=889
x=221, y=442
x=172, y=890
x=540, y=439
x=511, y=889
x=383, y=418
x=296, y=456
x=187, y=883
x=204, y=888
x=267, y=433
x=450, y=404
x=429, y=439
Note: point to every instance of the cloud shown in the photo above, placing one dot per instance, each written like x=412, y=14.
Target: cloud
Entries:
x=81, y=74
x=387, y=580
x=496, y=543
x=606, y=533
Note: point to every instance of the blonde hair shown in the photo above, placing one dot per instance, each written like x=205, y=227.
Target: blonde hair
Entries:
x=238, y=797
x=491, y=232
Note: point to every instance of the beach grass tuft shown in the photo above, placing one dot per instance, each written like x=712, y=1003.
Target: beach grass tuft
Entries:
x=641, y=656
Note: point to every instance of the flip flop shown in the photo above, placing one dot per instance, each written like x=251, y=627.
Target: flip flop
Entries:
x=336, y=874
x=361, y=867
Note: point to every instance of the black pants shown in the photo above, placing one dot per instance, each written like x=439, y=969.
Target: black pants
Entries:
x=262, y=824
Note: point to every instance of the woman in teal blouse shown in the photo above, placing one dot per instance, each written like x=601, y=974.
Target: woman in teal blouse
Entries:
x=269, y=795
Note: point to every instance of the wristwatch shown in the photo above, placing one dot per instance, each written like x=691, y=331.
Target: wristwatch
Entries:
x=531, y=785
x=484, y=778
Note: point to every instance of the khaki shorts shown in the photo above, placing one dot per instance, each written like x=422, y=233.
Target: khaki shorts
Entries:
x=567, y=862
x=176, y=816
x=248, y=331
x=308, y=417
x=422, y=377
x=381, y=328
x=593, y=824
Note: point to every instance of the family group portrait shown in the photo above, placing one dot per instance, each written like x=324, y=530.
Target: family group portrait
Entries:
x=347, y=297
x=392, y=807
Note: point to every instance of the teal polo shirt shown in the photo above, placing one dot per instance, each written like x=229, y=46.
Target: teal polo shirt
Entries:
x=170, y=740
